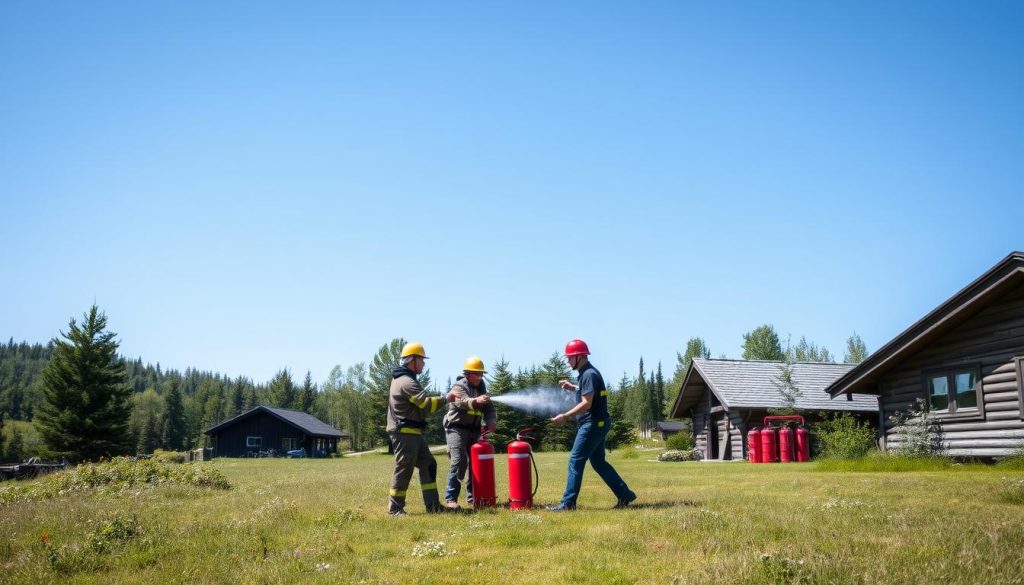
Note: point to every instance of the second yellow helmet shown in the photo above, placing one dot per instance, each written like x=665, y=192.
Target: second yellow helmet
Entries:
x=474, y=364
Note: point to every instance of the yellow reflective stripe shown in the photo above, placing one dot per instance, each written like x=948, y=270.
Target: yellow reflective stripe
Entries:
x=417, y=402
x=410, y=431
x=435, y=403
x=398, y=493
x=473, y=412
x=429, y=487
x=604, y=393
x=600, y=423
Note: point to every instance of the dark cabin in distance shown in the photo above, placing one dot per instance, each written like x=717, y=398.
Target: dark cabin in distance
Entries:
x=266, y=428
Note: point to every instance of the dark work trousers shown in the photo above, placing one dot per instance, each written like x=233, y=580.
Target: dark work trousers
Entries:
x=411, y=453
x=459, y=441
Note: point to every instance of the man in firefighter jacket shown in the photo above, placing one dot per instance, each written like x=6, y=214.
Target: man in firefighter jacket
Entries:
x=591, y=412
x=408, y=408
x=468, y=406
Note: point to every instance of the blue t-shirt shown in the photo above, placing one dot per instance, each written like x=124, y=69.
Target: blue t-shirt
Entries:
x=591, y=382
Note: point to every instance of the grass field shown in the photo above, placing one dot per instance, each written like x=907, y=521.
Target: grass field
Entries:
x=324, y=521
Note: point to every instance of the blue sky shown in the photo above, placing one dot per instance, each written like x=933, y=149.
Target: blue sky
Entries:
x=249, y=186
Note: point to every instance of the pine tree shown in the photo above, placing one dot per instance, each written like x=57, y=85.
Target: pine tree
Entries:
x=856, y=351
x=147, y=435
x=808, y=351
x=282, y=392
x=659, y=394
x=557, y=437
x=16, y=446
x=387, y=358
x=500, y=380
x=622, y=431
x=695, y=348
x=237, y=398
x=173, y=425
x=85, y=412
x=308, y=394
x=252, y=399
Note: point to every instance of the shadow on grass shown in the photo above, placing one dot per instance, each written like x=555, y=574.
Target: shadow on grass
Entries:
x=663, y=505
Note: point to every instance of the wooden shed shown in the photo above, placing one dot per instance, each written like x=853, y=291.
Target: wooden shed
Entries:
x=964, y=359
x=265, y=428
x=725, y=398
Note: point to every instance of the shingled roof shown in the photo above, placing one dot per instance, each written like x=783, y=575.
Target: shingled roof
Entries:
x=303, y=421
x=752, y=384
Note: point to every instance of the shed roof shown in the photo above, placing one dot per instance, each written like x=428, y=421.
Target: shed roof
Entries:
x=303, y=421
x=753, y=384
x=671, y=425
x=996, y=281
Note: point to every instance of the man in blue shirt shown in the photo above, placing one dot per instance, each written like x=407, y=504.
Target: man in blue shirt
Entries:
x=591, y=412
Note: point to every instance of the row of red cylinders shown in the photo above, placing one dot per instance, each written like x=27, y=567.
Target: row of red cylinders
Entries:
x=766, y=445
x=520, y=483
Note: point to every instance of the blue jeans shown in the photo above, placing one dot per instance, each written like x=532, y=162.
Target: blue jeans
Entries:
x=589, y=445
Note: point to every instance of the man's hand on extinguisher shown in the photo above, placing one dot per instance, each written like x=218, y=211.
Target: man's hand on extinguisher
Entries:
x=481, y=400
x=567, y=385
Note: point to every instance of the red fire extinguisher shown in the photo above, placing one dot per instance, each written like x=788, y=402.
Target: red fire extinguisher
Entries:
x=520, y=459
x=481, y=463
x=769, y=453
x=793, y=446
x=786, y=444
x=754, y=445
x=803, y=444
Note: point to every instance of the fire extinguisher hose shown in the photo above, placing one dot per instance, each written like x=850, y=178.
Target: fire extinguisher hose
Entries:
x=536, y=475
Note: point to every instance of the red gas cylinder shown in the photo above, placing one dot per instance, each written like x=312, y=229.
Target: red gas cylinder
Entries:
x=803, y=445
x=754, y=445
x=786, y=444
x=481, y=462
x=768, y=451
x=520, y=484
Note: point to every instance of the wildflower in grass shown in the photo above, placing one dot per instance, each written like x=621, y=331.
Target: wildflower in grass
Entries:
x=430, y=548
x=323, y=566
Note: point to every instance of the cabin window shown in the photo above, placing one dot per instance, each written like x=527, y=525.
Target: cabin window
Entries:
x=953, y=390
x=290, y=443
x=254, y=442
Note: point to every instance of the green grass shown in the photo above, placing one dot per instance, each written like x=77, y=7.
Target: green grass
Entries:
x=881, y=462
x=324, y=521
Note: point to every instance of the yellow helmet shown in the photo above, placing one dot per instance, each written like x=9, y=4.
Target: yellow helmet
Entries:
x=474, y=364
x=414, y=348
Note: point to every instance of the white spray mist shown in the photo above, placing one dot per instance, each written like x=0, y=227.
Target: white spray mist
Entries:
x=543, y=401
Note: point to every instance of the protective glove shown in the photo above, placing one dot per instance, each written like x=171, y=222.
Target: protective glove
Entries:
x=481, y=401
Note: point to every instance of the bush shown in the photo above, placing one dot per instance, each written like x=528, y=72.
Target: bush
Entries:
x=918, y=433
x=843, y=437
x=168, y=456
x=679, y=455
x=117, y=476
x=681, y=441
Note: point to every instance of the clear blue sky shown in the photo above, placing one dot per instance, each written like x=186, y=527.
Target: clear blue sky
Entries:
x=246, y=186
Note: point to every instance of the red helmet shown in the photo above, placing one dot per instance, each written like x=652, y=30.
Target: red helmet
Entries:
x=576, y=347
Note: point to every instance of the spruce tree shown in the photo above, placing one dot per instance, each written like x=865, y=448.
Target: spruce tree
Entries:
x=16, y=446
x=173, y=425
x=387, y=358
x=147, y=435
x=308, y=394
x=85, y=412
x=237, y=398
x=282, y=392
x=557, y=437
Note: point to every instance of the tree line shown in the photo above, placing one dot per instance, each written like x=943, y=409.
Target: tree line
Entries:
x=134, y=407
